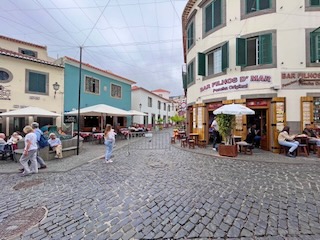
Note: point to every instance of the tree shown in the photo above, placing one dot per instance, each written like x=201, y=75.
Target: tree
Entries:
x=177, y=119
x=226, y=124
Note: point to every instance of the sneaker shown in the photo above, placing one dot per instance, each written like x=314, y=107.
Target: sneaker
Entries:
x=24, y=174
x=290, y=155
x=214, y=149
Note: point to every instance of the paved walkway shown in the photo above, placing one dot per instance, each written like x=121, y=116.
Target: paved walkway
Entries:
x=168, y=193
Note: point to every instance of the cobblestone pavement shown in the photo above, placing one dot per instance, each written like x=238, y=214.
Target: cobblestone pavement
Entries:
x=156, y=194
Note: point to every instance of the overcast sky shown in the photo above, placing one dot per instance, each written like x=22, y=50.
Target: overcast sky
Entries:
x=137, y=39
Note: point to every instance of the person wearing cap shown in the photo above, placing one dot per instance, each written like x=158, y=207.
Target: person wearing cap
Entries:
x=55, y=144
x=38, y=132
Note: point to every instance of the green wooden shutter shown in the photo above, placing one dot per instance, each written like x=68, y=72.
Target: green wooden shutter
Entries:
x=313, y=51
x=265, y=52
x=241, y=52
x=209, y=18
x=37, y=82
x=216, y=13
x=225, y=56
x=184, y=80
x=201, y=64
x=190, y=35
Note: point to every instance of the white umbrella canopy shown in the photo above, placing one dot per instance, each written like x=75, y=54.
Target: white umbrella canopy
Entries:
x=234, y=109
x=137, y=113
x=30, y=111
x=98, y=110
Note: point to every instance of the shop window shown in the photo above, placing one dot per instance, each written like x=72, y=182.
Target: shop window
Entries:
x=213, y=15
x=116, y=91
x=190, y=35
x=149, y=102
x=315, y=46
x=215, y=61
x=92, y=85
x=37, y=82
x=190, y=73
x=255, y=50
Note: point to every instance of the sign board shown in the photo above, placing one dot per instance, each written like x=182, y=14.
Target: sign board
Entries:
x=300, y=80
x=70, y=119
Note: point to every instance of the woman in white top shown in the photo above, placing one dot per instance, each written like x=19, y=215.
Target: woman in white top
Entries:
x=287, y=140
x=29, y=152
x=109, y=139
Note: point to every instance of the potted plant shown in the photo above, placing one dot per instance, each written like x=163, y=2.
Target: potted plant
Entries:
x=226, y=124
x=159, y=122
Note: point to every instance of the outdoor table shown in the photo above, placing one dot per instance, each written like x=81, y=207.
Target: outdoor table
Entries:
x=237, y=138
x=98, y=136
x=195, y=137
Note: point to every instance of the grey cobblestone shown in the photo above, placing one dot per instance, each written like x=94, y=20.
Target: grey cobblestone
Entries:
x=189, y=195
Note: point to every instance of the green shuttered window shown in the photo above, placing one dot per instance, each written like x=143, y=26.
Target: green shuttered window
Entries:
x=37, y=82
x=190, y=73
x=213, y=17
x=315, y=2
x=315, y=46
x=201, y=64
x=257, y=5
x=190, y=32
x=254, y=51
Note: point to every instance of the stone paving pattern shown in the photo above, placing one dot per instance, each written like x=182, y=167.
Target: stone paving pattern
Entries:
x=174, y=194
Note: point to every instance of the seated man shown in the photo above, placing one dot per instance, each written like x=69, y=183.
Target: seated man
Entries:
x=313, y=137
x=55, y=144
x=253, y=136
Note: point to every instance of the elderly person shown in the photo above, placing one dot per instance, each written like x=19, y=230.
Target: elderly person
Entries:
x=2, y=138
x=55, y=144
x=38, y=133
x=14, y=139
x=29, y=152
x=287, y=140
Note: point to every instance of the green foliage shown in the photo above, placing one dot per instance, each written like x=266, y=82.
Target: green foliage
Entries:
x=178, y=119
x=226, y=124
x=159, y=121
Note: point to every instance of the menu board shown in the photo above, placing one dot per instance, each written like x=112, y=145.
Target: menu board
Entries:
x=239, y=123
x=194, y=120
x=200, y=117
x=280, y=115
x=306, y=110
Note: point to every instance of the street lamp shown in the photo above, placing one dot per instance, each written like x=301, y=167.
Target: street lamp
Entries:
x=56, y=87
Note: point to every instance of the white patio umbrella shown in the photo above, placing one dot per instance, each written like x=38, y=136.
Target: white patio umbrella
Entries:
x=137, y=113
x=234, y=109
x=30, y=111
x=97, y=110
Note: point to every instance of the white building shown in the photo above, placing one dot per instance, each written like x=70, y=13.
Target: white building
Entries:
x=27, y=76
x=261, y=53
x=155, y=106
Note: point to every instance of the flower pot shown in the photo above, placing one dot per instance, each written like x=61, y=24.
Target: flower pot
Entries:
x=228, y=150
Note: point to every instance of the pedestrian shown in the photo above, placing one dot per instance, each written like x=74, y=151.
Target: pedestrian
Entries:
x=109, y=140
x=55, y=144
x=215, y=134
x=287, y=140
x=38, y=132
x=29, y=152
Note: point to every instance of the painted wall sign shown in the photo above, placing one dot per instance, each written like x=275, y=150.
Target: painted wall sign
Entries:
x=298, y=80
x=5, y=94
x=235, y=83
x=70, y=119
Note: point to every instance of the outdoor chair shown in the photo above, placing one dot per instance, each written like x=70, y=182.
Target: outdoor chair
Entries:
x=303, y=146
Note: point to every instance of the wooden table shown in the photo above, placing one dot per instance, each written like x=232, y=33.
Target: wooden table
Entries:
x=195, y=137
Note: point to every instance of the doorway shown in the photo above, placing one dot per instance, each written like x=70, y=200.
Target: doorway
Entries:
x=261, y=120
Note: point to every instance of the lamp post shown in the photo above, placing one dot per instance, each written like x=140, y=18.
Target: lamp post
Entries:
x=56, y=87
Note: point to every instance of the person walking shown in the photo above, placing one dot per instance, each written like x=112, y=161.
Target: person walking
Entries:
x=29, y=152
x=38, y=133
x=287, y=140
x=215, y=134
x=109, y=139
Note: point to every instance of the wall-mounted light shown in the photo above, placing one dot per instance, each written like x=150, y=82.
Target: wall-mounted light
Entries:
x=56, y=87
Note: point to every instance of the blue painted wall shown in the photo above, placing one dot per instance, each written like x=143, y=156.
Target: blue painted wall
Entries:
x=71, y=88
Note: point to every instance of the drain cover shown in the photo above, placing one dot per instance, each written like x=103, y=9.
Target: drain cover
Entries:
x=27, y=184
x=18, y=223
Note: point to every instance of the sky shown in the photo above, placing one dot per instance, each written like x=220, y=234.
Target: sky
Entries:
x=137, y=39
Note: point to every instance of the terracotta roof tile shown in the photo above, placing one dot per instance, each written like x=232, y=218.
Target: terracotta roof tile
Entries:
x=23, y=42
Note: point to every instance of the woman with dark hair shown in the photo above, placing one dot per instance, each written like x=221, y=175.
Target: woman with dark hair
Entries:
x=287, y=140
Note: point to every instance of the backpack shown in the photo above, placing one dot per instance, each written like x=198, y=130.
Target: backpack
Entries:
x=43, y=142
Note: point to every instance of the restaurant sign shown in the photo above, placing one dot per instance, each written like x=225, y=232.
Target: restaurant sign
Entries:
x=70, y=119
x=235, y=83
x=298, y=80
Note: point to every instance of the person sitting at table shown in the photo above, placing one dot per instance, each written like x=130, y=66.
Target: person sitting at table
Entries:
x=55, y=144
x=253, y=136
x=287, y=140
x=313, y=137
x=14, y=139
x=2, y=138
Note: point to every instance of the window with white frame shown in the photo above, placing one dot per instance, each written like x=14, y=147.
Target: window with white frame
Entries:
x=116, y=91
x=37, y=82
x=92, y=85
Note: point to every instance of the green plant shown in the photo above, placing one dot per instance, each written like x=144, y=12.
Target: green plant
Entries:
x=178, y=119
x=159, y=121
x=226, y=124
